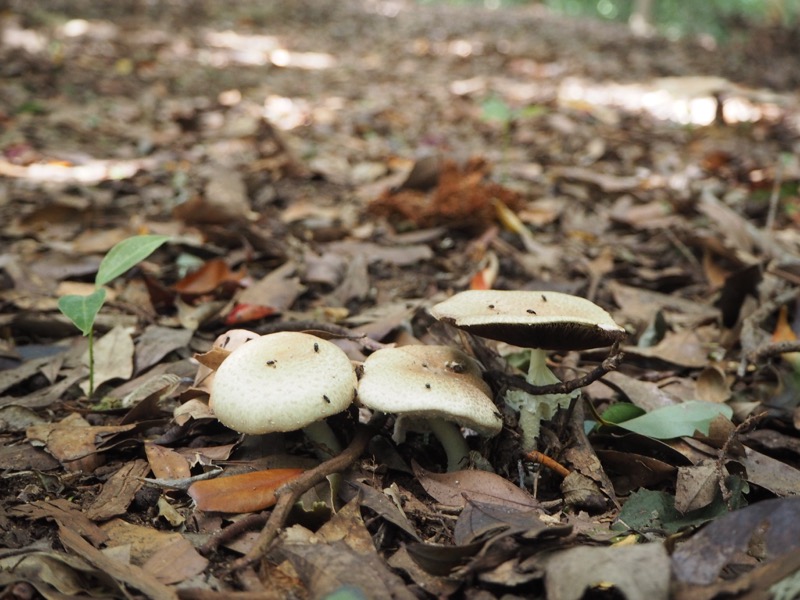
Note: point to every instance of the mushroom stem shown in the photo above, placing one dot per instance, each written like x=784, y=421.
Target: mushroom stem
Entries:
x=454, y=444
x=534, y=409
x=326, y=444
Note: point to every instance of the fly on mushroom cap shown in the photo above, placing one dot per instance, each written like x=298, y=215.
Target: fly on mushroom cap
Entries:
x=282, y=382
x=547, y=320
x=436, y=385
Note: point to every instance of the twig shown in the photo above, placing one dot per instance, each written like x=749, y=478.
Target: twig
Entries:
x=291, y=492
x=748, y=335
x=774, y=197
x=546, y=461
x=327, y=330
x=611, y=363
x=749, y=422
x=770, y=349
x=233, y=531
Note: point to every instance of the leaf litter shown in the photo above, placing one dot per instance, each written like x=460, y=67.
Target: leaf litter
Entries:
x=307, y=183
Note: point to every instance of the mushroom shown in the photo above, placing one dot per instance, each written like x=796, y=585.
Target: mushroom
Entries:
x=225, y=342
x=539, y=321
x=284, y=381
x=435, y=386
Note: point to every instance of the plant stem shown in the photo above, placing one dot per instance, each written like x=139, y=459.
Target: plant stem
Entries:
x=91, y=362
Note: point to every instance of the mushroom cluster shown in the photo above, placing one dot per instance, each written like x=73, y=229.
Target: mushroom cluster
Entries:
x=537, y=320
x=288, y=381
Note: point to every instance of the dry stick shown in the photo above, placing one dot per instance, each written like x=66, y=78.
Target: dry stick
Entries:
x=748, y=335
x=745, y=425
x=330, y=329
x=774, y=197
x=611, y=363
x=546, y=461
x=288, y=494
x=770, y=349
x=233, y=531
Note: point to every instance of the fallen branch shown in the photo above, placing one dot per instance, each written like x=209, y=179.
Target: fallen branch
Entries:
x=771, y=349
x=289, y=494
x=611, y=363
x=749, y=338
x=323, y=330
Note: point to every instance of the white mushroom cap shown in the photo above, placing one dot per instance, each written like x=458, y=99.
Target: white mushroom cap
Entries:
x=230, y=340
x=547, y=320
x=425, y=382
x=282, y=382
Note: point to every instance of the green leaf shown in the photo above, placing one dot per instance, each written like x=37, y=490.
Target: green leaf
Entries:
x=677, y=420
x=82, y=310
x=649, y=509
x=621, y=411
x=495, y=109
x=127, y=254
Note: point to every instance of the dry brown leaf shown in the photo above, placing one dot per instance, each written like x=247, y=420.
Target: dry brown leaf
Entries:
x=113, y=357
x=211, y=276
x=278, y=289
x=73, y=441
x=66, y=513
x=454, y=489
x=166, y=463
x=697, y=486
x=130, y=575
x=175, y=561
x=712, y=385
x=118, y=491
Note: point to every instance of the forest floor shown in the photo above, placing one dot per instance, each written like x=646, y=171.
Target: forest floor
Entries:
x=340, y=168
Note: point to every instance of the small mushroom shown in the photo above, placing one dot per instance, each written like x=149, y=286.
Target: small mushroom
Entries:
x=437, y=386
x=228, y=341
x=539, y=321
x=284, y=382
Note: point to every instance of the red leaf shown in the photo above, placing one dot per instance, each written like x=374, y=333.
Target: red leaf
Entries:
x=243, y=313
x=247, y=492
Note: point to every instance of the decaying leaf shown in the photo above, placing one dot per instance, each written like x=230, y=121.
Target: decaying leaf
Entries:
x=763, y=532
x=456, y=488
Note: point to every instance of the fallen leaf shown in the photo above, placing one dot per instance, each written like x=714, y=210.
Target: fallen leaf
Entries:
x=118, y=492
x=73, y=442
x=66, y=513
x=246, y=313
x=639, y=571
x=764, y=531
x=246, y=492
x=212, y=275
x=678, y=420
x=456, y=488
x=166, y=463
x=130, y=575
x=113, y=357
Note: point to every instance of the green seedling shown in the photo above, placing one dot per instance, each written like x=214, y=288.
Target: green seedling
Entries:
x=83, y=310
